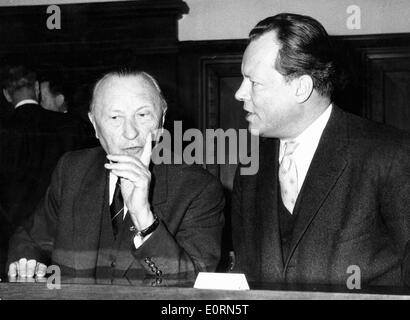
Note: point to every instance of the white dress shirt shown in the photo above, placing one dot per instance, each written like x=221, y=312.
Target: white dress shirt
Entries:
x=138, y=241
x=25, y=101
x=307, y=141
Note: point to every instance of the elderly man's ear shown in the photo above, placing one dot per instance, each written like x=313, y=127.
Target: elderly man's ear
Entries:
x=303, y=86
x=92, y=120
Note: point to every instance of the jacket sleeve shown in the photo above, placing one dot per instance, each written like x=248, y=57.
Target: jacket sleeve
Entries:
x=195, y=247
x=237, y=225
x=35, y=238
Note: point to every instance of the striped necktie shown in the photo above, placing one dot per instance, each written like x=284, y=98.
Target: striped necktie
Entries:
x=288, y=177
x=117, y=208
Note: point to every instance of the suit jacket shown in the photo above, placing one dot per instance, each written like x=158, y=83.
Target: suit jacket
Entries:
x=33, y=141
x=4, y=237
x=353, y=209
x=72, y=227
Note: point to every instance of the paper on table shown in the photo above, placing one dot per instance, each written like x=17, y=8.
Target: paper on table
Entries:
x=221, y=281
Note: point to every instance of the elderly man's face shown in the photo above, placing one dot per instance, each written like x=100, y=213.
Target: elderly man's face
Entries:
x=125, y=110
x=268, y=97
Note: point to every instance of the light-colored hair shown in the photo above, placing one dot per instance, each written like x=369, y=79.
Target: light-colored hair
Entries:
x=125, y=73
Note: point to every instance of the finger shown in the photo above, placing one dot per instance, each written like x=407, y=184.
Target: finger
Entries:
x=146, y=152
x=30, y=268
x=126, y=166
x=22, y=267
x=114, y=158
x=28, y=279
x=41, y=270
x=13, y=269
x=131, y=176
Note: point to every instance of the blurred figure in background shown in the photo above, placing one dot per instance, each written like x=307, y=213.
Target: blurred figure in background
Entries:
x=53, y=96
x=33, y=139
x=56, y=96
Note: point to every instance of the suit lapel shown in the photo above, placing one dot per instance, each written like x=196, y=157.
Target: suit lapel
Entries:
x=88, y=211
x=267, y=217
x=325, y=169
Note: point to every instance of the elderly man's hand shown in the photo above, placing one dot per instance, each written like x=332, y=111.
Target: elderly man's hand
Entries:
x=135, y=182
x=29, y=269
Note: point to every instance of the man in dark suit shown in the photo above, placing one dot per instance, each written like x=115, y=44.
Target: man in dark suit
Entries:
x=37, y=138
x=108, y=215
x=331, y=199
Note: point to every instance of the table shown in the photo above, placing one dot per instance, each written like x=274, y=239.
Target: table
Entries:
x=80, y=291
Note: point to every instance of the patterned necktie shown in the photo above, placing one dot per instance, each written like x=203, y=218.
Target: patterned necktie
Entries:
x=288, y=177
x=117, y=208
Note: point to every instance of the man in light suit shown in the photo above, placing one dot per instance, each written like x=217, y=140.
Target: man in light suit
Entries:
x=110, y=215
x=332, y=195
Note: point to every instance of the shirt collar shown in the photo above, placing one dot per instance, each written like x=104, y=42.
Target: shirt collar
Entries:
x=25, y=101
x=311, y=135
x=314, y=131
x=112, y=182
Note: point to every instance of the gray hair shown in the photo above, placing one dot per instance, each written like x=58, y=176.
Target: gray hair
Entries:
x=130, y=73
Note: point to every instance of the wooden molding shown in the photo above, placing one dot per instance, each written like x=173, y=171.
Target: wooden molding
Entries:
x=142, y=20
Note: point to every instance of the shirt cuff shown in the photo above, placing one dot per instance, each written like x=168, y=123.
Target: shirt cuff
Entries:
x=138, y=241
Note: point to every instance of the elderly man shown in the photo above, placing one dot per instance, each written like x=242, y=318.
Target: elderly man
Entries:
x=108, y=214
x=330, y=203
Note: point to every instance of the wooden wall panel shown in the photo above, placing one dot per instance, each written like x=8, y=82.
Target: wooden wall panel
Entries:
x=95, y=38
x=387, y=97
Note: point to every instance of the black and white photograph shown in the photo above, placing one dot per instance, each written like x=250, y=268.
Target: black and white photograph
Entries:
x=189, y=151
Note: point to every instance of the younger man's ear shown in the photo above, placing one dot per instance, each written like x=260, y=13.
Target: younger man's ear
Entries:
x=304, y=88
